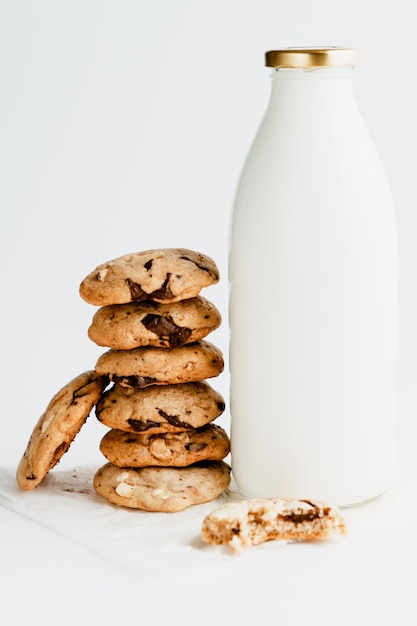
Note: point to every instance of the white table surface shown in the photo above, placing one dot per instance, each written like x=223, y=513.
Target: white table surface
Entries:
x=369, y=577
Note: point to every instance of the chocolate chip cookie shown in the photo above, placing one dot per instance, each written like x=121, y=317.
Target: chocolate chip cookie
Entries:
x=141, y=367
x=164, y=275
x=250, y=522
x=162, y=489
x=160, y=409
x=127, y=326
x=209, y=443
x=58, y=425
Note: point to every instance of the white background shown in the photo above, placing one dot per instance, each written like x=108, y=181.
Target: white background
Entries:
x=124, y=125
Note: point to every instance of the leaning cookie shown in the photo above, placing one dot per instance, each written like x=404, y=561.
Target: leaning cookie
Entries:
x=160, y=409
x=141, y=367
x=127, y=326
x=251, y=522
x=162, y=489
x=209, y=443
x=57, y=427
x=164, y=275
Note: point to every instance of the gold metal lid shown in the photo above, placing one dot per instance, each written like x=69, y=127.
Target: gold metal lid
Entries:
x=311, y=57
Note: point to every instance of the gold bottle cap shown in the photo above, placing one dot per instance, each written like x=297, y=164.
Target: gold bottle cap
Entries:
x=311, y=57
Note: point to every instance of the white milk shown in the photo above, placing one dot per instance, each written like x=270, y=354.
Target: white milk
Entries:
x=313, y=272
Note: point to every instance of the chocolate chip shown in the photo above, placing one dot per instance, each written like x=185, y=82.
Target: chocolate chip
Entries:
x=148, y=264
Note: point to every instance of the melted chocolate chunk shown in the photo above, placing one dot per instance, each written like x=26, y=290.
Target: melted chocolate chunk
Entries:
x=165, y=327
x=173, y=419
x=164, y=292
x=137, y=294
x=161, y=326
x=133, y=381
x=59, y=451
x=308, y=516
x=79, y=393
x=200, y=267
x=301, y=517
x=180, y=337
x=85, y=390
x=138, y=426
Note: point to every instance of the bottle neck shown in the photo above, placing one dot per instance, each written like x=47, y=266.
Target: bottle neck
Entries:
x=309, y=87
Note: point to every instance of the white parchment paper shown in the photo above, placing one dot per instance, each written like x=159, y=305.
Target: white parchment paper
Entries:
x=144, y=542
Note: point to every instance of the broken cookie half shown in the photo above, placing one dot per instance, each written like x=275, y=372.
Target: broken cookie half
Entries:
x=241, y=525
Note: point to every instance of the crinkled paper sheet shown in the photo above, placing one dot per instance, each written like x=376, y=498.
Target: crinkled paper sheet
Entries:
x=65, y=502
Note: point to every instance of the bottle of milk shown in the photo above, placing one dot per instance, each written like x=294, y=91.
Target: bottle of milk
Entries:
x=313, y=279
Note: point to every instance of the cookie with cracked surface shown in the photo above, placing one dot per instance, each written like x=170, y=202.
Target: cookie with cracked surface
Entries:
x=209, y=443
x=57, y=427
x=141, y=367
x=161, y=275
x=160, y=409
x=241, y=525
x=162, y=489
x=136, y=324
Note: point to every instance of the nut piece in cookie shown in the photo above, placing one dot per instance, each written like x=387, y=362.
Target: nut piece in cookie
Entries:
x=57, y=427
x=141, y=367
x=251, y=522
x=160, y=409
x=209, y=443
x=164, y=275
x=162, y=489
x=127, y=326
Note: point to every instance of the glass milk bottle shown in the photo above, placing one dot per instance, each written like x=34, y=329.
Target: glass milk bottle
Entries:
x=313, y=272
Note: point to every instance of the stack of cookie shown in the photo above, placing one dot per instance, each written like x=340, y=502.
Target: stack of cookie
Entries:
x=164, y=452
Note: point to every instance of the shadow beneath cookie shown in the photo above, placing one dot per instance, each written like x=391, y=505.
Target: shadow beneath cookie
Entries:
x=196, y=543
